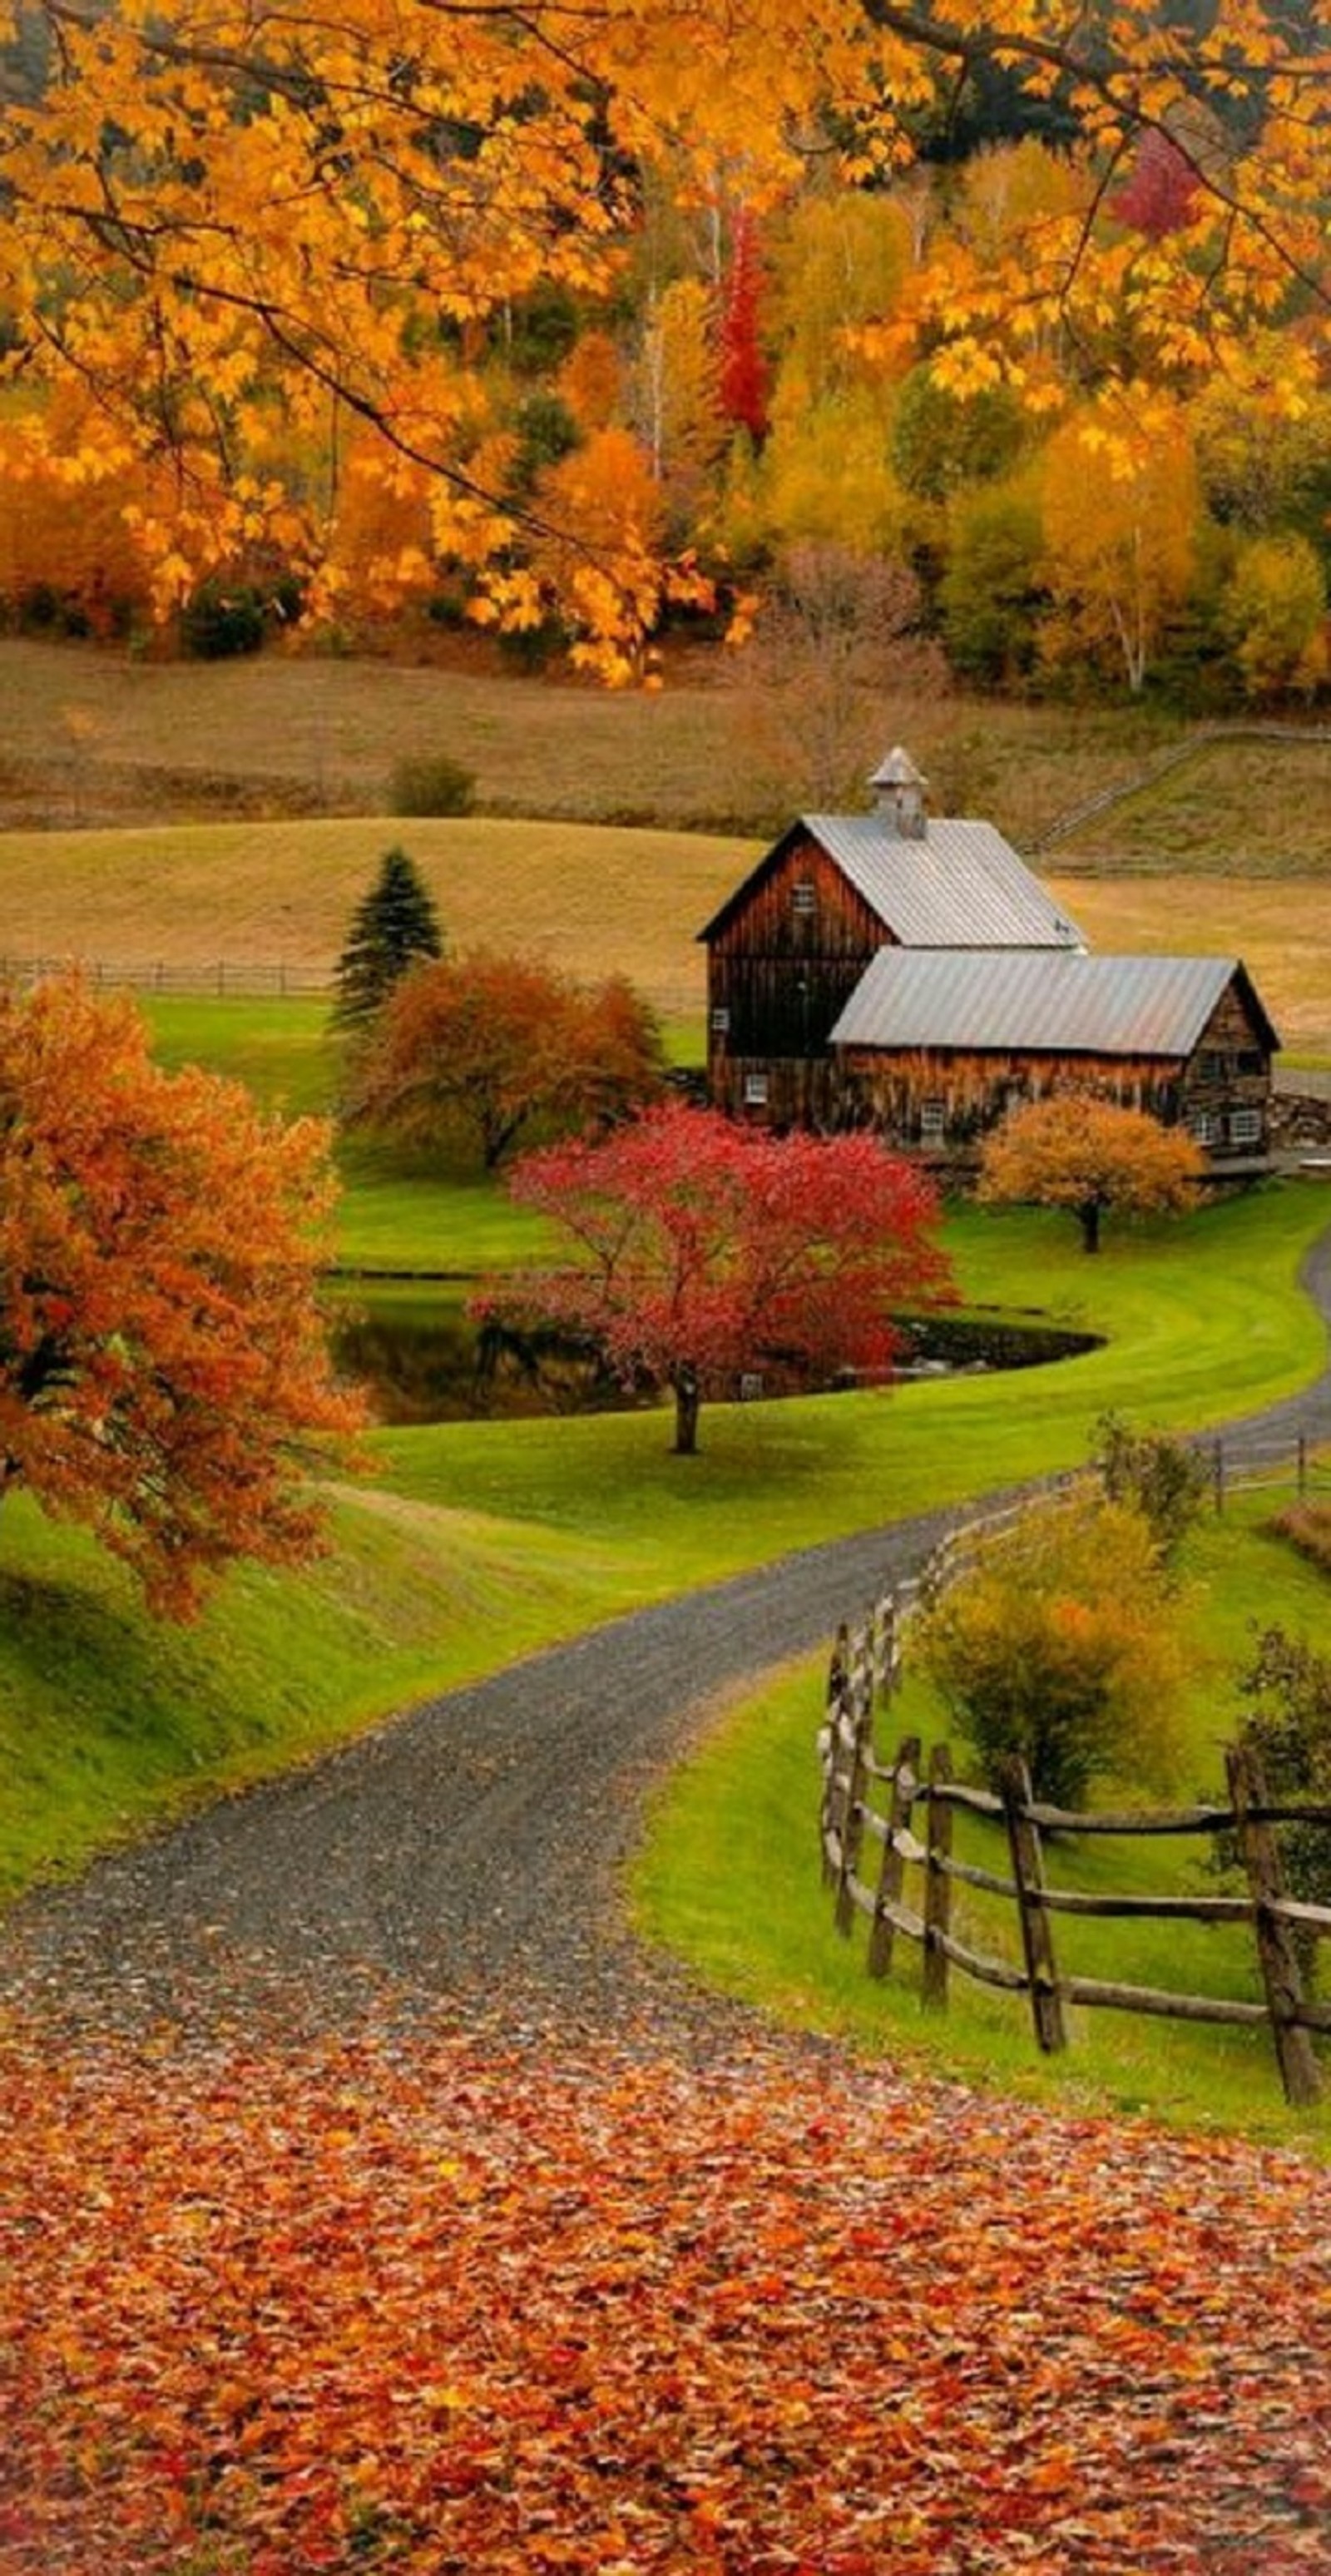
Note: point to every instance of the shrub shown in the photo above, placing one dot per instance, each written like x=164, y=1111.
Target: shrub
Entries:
x=1307, y=1526
x=1287, y=1691
x=432, y=784
x=1156, y=1474
x=221, y=620
x=1058, y=1645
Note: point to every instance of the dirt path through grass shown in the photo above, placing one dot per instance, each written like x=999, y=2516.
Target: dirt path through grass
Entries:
x=471, y=1848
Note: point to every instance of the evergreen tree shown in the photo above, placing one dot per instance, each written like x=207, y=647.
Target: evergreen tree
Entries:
x=392, y=926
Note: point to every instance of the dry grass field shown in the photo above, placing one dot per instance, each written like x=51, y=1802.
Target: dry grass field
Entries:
x=592, y=898
x=110, y=768
x=93, y=736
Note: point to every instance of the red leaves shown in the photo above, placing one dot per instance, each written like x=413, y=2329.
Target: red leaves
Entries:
x=428, y=2305
x=706, y=1248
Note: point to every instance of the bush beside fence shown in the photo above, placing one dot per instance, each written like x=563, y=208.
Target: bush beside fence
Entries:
x=906, y=1807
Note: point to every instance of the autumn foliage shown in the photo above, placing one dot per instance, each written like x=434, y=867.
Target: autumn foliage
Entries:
x=438, y=2304
x=278, y=261
x=163, y=1370
x=479, y=1048
x=704, y=1249
x=1058, y=1644
x=1089, y=1154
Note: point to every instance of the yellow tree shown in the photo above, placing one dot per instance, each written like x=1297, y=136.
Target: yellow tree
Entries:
x=218, y=214
x=1089, y=1154
x=1120, y=507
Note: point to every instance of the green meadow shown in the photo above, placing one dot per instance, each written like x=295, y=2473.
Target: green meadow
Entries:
x=465, y=1544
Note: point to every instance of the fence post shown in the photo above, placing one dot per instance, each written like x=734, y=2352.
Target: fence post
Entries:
x=1218, y=1474
x=937, y=1884
x=1036, y=1938
x=852, y=1831
x=893, y=1871
x=832, y=1814
x=1299, y=2071
x=1303, y=1464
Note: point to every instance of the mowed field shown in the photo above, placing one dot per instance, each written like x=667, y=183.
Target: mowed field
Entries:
x=594, y=899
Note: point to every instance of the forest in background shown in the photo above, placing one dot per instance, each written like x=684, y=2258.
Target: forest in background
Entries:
x=759, y=391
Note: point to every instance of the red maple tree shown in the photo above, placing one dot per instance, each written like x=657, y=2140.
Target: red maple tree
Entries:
x=705, y=1248
x=745, y=376
x=1161, y=195
x=163, y=1366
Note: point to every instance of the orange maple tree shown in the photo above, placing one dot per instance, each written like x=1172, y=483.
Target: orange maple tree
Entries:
x=163, y=1368
x=483, y=1046
x=1089, y=1154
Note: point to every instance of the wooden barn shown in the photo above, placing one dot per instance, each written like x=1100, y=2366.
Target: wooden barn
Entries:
x=933, y=1048
x=789, y=946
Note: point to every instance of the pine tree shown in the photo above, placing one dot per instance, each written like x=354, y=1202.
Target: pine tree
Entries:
x=392, y=926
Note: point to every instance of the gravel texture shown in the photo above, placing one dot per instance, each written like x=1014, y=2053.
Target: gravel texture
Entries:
x=464, y=1858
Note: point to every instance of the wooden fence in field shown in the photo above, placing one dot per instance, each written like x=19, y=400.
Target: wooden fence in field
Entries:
x=248, y=979
x=886, y=1830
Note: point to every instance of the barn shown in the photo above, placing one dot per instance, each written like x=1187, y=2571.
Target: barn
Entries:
x=933, y=1048
x=789, y=946
x=911, y=973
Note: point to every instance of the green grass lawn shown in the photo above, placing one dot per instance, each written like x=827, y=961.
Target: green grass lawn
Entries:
x=471, y=1542
x=737, y=1820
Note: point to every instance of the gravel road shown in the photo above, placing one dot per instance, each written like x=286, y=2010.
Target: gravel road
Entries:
x=465, y=1856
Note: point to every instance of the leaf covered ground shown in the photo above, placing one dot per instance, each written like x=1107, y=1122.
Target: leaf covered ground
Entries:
x=446, y=2303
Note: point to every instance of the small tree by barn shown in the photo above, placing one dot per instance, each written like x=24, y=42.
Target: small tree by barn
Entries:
x=1089, y=1154
x=704, y=1249
x=476, y=1050
x=163, y=1368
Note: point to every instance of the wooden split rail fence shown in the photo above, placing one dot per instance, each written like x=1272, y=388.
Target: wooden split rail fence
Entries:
x=905, y=1809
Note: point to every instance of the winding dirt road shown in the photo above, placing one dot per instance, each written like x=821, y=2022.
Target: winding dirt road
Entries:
x=467, y=1853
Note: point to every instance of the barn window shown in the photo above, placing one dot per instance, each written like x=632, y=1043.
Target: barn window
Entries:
x=755, y=1090
x=803, y=895
x=1202, y=1126
x=1245, y=1127
x=720, y=1023
x=1210, y=1065
x=933, y=1121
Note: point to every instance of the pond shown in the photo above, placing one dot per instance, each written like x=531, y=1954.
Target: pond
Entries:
x=420, y=1358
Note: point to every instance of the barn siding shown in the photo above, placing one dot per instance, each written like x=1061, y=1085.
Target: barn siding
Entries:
x=780, y=972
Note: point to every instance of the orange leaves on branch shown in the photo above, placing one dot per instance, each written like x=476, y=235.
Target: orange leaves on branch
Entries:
x=220, y=224
x=163, y=1369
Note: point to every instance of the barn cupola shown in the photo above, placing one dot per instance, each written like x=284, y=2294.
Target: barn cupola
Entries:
x=899, y=793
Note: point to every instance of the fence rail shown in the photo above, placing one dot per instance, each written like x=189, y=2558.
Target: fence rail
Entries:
x=244, y=979
x=906, y=1807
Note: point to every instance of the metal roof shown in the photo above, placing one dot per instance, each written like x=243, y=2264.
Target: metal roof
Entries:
x=1068, y=1004
x=959, y=886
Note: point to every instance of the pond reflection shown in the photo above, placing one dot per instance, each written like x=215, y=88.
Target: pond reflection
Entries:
x=420, y=1358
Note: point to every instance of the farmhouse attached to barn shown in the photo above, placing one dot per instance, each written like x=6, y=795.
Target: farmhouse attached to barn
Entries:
x=912, y=974
x=932, y=1048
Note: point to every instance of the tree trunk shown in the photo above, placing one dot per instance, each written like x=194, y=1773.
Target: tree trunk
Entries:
x=687, y=1400
x=1089, y=1212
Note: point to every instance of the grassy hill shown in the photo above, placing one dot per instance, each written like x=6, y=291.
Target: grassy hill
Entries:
x=595, y=898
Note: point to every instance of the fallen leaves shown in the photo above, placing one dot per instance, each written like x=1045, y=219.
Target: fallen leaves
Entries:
x=432, y=2304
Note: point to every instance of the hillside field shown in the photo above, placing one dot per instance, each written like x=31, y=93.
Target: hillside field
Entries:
x=595, y=899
